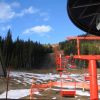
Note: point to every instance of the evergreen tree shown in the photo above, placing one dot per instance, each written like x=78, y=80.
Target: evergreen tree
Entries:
x=23, y=54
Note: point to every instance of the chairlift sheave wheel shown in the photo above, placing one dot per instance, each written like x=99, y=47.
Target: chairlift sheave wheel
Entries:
x=85, y=14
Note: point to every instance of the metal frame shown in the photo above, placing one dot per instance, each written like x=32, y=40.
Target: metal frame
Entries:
x=92, y=65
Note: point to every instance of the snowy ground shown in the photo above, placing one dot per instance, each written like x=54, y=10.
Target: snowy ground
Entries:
x=29, y=78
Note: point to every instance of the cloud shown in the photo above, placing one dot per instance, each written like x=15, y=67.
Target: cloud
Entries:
x=40, y=30
x=7, y=12
x=30, y=10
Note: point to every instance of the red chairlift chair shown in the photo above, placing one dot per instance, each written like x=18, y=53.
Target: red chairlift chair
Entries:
x=59, y=68
x=69, y=92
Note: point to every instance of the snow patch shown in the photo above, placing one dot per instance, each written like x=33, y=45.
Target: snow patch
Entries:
x=54, y=98
x=82, y=93
x=17, y=94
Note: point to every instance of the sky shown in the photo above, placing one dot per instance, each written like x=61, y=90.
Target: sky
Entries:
x=45, y=21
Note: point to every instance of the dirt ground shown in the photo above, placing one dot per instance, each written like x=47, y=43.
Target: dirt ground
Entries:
x=45, y=94
x=51, y=94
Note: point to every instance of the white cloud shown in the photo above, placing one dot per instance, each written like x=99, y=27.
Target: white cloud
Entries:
x=7, y=12
x=30, y=10
x=40, y=30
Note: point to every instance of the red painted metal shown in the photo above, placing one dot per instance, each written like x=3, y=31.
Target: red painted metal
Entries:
x=69, y=93
x=60, y=69
x=78, y=85
x=85, y=38
x=92, y=65
x=93, y=80
x=60, y=60
x=78, y=46
x=87, y=78
x=59, y=63
x=87, y=57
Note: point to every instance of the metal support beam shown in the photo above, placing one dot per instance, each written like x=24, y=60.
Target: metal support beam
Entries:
x=93, y=80
x=78, y=46
x=87, y=5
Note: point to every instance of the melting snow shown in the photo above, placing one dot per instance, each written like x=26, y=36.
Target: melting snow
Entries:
x=15, y=94
x=28, y=79
x=54, y=98
x=82, y=93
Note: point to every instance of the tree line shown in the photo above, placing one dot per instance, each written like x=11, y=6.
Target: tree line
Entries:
x=87, y=47
x=20, y=54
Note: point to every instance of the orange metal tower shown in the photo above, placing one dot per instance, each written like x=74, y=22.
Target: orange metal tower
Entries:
x=92, y=65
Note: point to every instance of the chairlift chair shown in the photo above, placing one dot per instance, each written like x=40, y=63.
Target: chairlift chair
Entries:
x=59, y=68
x=69, y=92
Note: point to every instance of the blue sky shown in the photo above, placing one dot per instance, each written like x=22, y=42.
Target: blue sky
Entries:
x=45, y=21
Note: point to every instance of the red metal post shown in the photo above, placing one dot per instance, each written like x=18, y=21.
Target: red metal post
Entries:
x=78, y=46
x=93, y=80
x=92, y=66
x=60, y=61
